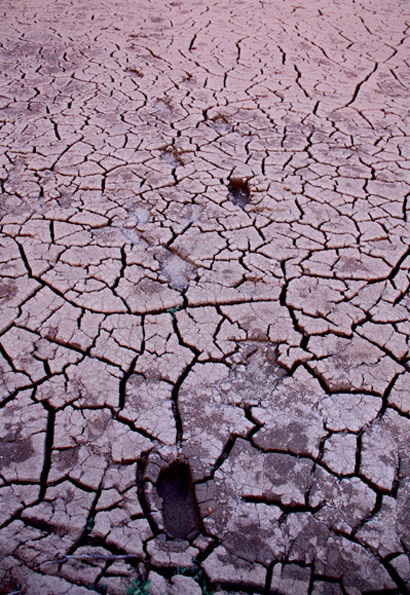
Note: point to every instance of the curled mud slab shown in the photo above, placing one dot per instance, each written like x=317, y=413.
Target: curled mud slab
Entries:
x=204, y=331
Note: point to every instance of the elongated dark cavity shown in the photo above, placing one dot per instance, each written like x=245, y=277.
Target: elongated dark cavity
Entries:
x=179, y=508
x=239, y=192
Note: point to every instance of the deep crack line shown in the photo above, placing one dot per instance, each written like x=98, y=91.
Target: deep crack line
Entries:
x=358, y=87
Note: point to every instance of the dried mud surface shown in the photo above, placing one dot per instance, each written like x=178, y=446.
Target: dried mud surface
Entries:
x=204, y=332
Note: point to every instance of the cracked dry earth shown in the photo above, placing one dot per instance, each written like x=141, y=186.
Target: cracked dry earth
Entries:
x=204, y=297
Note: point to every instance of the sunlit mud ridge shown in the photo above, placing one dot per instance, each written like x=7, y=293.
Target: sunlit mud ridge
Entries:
x=204, y=330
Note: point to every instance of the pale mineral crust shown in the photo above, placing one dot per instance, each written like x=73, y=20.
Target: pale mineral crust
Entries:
x=204, y=290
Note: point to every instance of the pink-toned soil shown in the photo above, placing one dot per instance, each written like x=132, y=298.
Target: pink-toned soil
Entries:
x=204, y=292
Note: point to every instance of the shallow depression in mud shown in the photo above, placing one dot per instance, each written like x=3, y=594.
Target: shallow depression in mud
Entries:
x=179, y=508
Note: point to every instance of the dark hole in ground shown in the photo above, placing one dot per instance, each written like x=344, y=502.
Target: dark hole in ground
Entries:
x=179, y=508
x=239, y=192
x=9, y=587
